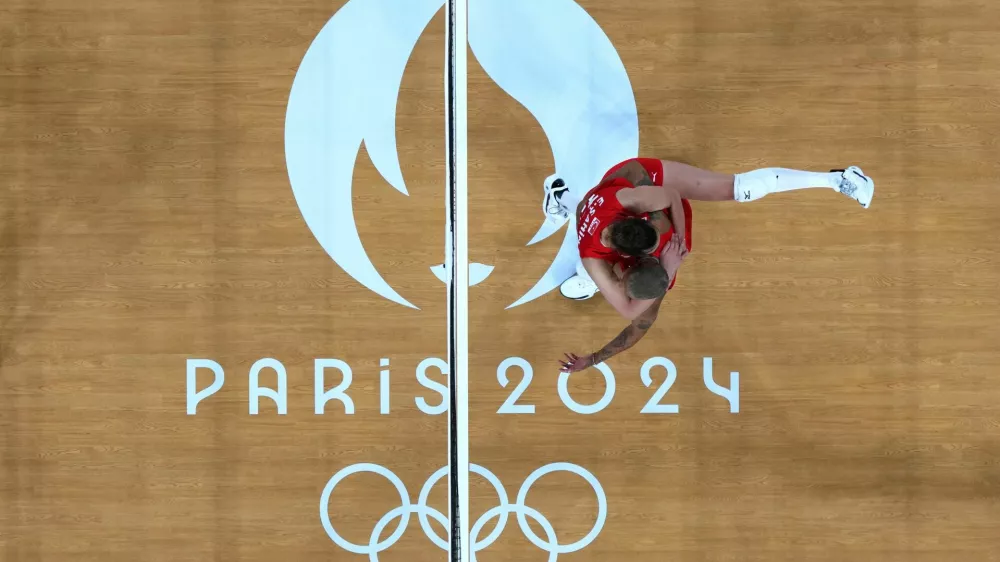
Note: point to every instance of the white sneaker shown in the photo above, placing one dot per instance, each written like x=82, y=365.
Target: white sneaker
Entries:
x=856, y=185
x=577, y=288
x=552, y=207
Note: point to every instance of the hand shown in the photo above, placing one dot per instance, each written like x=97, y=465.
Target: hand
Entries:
x=678, y=238
x=573, y=363
x=673, y=254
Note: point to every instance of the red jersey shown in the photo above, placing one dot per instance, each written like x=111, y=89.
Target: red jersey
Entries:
x=601, y=207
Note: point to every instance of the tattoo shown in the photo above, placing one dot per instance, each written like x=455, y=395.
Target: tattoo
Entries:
x=625, y=340
x=644, y=178
x=654, y=215
x=630, y=335
x=633, y=172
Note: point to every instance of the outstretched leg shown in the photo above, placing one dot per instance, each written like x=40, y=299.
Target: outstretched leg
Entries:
x=703, y=185
x=697, y=184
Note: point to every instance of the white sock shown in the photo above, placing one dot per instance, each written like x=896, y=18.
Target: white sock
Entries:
x=751, y=186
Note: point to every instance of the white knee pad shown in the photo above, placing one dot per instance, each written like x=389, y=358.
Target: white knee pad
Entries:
x=751, y=186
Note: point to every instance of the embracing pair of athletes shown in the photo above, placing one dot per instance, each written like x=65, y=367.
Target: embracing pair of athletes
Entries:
x=634, y=230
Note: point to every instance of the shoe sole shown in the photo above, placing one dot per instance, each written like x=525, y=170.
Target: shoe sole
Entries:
x=577, y=298
x=545, y=205
x=841, y=171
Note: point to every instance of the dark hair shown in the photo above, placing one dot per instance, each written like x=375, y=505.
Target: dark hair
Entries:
x=647, y=280
x=633, y=236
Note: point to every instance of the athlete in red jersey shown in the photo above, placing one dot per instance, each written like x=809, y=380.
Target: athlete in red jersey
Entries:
x=601, y=207
x=630, y=215
x=629, y=230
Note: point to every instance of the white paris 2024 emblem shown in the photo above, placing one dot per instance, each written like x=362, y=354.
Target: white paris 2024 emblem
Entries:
x=550, y=56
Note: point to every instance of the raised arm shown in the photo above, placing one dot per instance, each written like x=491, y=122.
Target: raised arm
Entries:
x=611, y=287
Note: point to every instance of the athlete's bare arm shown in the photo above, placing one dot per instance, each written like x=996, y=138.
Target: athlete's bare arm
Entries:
x=626, y=339
x=651, y=198
x=670, y=259
x=630, y=335
x=613, y=290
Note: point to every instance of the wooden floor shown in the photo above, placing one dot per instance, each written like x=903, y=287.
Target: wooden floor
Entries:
x=148, y=219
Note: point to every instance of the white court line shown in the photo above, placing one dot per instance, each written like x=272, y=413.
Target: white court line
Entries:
x=459, y=231
x=462, y=259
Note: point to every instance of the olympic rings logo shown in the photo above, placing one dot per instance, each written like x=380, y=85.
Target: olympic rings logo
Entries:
x=500, y=512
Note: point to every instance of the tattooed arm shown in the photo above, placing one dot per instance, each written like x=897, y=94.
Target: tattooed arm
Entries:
x=630, y=335
x=626, y=339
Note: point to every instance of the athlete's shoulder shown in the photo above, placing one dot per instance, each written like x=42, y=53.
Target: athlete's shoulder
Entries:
x=613, y=185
